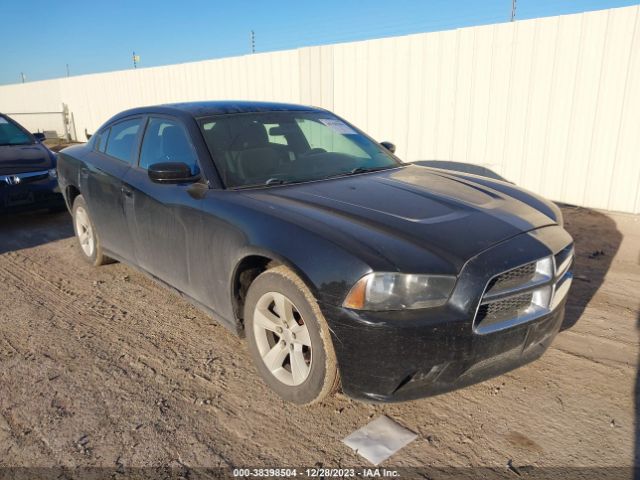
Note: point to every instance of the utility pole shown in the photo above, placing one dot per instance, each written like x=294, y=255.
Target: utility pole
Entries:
x=513, y=10
x=252, y=39
x=23, y=76
x=136, y=59
x=67, y=69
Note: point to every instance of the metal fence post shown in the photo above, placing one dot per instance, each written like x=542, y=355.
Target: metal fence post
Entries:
x=65, y=121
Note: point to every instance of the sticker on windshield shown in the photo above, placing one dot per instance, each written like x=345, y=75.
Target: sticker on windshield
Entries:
x=338, y=126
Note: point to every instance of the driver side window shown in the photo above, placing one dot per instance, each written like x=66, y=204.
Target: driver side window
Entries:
x=166, y=140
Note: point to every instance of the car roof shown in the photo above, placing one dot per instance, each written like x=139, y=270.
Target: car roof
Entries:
x=208, y=108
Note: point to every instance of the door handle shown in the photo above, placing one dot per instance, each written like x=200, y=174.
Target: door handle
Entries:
x=126, y=191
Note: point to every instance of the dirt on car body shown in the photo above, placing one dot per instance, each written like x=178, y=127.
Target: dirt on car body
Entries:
x=105, y=368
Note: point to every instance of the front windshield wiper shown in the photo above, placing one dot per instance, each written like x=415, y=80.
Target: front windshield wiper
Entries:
x=278, y=181
x=268, y=183
x=275, y=181
x=367, y=169
x=358, y=170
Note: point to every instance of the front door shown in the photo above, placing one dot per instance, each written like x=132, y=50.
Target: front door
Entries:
x=159, y=216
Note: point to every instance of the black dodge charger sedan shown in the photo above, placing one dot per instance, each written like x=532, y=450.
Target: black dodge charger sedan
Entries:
x=27, y=170
x=338, y=262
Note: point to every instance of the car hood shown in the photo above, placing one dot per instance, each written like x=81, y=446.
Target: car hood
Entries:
x=414, y=217
x=24, y=158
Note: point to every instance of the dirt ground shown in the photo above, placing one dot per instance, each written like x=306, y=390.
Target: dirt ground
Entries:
x=103, y=367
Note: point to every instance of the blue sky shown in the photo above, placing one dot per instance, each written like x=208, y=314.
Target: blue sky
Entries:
x=41, y=37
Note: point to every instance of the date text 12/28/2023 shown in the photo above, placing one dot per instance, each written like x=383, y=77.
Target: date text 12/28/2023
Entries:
x=316, y=472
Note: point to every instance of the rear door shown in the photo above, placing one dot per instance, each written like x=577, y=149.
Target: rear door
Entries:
x=161, y=216
x=101, y=181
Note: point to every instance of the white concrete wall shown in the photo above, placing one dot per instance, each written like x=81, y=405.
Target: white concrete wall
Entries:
x=552, y=104
x=34, y=97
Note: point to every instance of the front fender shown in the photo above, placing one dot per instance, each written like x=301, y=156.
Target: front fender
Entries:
x=328, y=270
x=226, y=229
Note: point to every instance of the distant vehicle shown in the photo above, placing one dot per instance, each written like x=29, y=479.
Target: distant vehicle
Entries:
x=28, y=179
x=340, y=263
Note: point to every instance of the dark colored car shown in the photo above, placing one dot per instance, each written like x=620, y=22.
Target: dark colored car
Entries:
x=27, y=170
x=339, y=263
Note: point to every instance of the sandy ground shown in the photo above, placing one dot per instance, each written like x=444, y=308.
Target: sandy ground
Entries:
x=103, y=367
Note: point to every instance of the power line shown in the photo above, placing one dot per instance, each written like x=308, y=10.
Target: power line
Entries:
x=252, y=41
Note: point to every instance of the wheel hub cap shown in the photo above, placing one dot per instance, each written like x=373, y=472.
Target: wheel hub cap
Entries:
x=282, y=338
x=84, y=231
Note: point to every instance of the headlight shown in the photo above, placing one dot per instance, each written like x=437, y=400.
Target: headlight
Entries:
x=399, y=291
x=53, y=173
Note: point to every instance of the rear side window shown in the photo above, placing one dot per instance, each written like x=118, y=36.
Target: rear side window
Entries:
x=166, y=140
x=101, y=140
x=122, y=140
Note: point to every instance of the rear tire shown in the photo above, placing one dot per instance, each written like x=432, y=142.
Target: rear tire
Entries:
x=289, y=339
x=90, y=247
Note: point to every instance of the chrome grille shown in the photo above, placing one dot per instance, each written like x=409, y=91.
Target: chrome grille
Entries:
x=513, y=277
x=504, y=309
x=524, y=293
x=563, y=254
x=563, y=260
x=22, y=178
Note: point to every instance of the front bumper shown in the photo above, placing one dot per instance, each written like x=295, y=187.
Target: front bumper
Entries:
x=425, y=357
x=404, y=355
x=33, y=193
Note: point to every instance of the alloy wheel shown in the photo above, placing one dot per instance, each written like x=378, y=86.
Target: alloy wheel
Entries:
x=84, y=231
x=282, y=338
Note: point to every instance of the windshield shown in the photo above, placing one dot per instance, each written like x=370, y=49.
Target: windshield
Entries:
x=11, y=134
x=275, y=148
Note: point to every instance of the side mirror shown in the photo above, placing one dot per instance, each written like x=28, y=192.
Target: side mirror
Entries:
x=39, y=136
x=171, y=172
x=389, y=146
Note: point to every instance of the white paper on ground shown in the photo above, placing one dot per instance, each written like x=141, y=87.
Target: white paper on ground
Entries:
x=380, y=439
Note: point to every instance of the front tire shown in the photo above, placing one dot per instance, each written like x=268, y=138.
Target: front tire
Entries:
x=288, y=338
x=88, y=239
